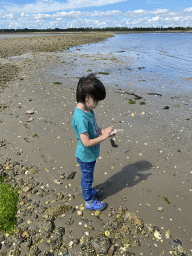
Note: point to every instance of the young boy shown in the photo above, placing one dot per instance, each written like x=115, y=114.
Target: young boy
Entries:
x=88, y=94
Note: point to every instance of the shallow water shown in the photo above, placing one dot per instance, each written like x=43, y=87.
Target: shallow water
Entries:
x=158, y=61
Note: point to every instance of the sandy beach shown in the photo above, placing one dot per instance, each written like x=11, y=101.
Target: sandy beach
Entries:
x=144, y=172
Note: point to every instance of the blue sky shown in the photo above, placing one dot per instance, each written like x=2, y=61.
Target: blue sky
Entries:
x=94, y=13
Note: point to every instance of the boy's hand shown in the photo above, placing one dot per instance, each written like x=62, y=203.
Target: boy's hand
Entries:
x=107, y=131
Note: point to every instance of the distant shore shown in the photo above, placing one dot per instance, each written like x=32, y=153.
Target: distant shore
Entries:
x=17, y=46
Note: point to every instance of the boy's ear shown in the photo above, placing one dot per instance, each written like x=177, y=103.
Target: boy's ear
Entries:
x=86, y=98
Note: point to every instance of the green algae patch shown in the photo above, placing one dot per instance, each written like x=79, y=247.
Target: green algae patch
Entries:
x=131, y=101
x=103, y=73
x=8, y=206
x=166, y=200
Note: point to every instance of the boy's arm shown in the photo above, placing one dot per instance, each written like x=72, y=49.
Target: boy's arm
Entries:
x=87, y=142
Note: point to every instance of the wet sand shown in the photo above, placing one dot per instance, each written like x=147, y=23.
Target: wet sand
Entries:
x=146, y=167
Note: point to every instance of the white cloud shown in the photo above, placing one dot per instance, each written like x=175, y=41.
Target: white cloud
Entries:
x=51, y=14
x=54, y=6
x=10, y=16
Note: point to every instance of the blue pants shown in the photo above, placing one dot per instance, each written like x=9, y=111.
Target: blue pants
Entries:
x=87, y=170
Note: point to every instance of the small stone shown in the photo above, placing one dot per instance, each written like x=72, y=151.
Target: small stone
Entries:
x=71, y=176
x=60, y=231
x=101, y=244
x=47, y=226
x=26, y=234
x=175, y=244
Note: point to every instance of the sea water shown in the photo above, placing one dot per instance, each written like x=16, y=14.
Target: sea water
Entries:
x=158, y=61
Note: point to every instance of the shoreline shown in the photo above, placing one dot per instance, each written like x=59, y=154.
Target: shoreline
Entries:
x=146, y=164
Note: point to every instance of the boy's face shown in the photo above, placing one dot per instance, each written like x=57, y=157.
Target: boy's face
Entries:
x=90, y=103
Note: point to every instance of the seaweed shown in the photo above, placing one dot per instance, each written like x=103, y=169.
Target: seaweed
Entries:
x=131, y=101
x=57, y=83
x=166, y=199
x=142, y=103
x=103, y=73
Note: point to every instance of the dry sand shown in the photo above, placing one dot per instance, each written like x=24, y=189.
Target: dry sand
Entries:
x=146, y=167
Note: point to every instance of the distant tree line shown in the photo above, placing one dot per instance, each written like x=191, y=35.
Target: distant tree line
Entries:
x=107, y=29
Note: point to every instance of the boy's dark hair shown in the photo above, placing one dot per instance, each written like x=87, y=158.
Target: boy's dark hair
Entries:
x=90, y=86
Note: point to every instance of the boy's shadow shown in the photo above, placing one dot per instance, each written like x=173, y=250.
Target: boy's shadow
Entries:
x=129, y=176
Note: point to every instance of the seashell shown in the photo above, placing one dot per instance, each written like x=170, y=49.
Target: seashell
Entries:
x=26, y=189
x=86, y=233
x=182, y=251
x=29, y=120
x=157, y=234
x=160, y=209
x=79, y=213
x=70, y=243
x=132, y=114
x=167, y=234
x=57, y=181
x=107, y=233
x=90, y=227
x=97, y=212
x=82, y=207
x=82, y=240
x=29, y=112
x=176, y=244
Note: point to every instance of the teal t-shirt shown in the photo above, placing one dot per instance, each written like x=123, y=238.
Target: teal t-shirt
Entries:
x=85, y=122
